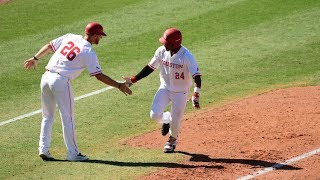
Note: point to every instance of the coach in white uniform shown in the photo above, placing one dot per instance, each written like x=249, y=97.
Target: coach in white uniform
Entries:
x=177, y=66
x=72, y=54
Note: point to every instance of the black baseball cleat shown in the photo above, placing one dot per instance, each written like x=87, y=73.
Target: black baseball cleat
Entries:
x=46, y=156
x=165, y=129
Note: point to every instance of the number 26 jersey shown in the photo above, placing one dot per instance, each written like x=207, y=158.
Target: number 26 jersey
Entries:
x=72, y=54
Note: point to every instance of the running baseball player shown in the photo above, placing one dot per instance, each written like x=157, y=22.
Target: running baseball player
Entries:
x=72, y=54
x=177, y=66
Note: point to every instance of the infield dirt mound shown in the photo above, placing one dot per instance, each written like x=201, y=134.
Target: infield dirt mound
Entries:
x=246, y=136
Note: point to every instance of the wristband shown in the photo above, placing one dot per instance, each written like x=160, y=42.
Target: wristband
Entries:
x=133, y=79
x=35, y=58
x=196, y=90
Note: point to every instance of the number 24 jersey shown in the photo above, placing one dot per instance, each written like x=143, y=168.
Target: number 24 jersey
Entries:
x=177, y=71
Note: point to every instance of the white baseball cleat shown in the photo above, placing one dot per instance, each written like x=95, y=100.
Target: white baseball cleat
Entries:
x=170, y=145
x=78, y=157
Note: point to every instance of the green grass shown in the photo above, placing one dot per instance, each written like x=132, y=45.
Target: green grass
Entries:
x=243, y=48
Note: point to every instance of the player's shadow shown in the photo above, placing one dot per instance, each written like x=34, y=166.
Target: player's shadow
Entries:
x=193, y=158
x=153, y=164
x=251, y=162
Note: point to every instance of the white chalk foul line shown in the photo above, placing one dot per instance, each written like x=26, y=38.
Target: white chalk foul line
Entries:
x=93, y=93
x=39, y=111
x=279, y=165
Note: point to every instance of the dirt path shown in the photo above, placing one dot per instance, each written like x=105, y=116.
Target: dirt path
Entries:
x=247, y=136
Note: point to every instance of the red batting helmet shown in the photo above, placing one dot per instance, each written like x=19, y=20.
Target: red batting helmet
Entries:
x=94, y=28
x=171, y=36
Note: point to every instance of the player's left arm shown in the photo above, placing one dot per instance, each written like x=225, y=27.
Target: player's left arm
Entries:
x=196, y=92
x=196, y=75
x=33, y=62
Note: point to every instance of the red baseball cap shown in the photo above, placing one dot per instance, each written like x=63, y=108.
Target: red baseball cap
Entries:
x=171, y=36
x=94, y=28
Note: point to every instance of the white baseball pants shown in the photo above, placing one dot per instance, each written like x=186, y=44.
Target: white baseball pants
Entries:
x=56, y=89
x=161, y=99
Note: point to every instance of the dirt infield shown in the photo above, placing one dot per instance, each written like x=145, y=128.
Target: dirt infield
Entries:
x=4, y=1
x=247, y=136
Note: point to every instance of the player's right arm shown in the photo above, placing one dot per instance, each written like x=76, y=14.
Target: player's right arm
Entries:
x=148, y=69
x=94, y=68
x=142, y=74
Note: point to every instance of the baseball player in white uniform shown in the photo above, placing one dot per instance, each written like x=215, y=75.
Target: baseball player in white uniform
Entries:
x=177, y=66
x=72, y=54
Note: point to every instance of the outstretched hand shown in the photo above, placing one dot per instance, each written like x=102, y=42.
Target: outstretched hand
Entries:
x=127, y=80
x=124, y=87
x=30, y=63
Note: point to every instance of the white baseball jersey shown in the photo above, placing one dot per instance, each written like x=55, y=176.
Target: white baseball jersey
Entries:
x=175, y=71
x=72, y=55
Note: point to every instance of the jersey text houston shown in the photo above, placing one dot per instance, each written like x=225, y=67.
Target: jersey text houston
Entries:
x=172, y=65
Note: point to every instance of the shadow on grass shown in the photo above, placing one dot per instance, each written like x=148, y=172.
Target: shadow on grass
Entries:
x=151, y=164
x=252, y=162
x=193, y=158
